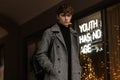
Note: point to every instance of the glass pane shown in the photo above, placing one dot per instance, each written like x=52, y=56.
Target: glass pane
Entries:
x=1, y=63
x=113, y=19
x=92, y=53
x=31, y=49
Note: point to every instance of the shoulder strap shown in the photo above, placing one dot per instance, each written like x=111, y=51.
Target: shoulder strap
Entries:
x=52, y=40
x=53, y=37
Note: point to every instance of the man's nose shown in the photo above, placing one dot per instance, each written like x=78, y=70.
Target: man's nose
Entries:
x=66, y=17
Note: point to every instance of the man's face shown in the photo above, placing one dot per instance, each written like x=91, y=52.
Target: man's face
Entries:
x=64, y=19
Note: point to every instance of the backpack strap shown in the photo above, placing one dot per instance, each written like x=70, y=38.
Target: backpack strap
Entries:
x=53, y=37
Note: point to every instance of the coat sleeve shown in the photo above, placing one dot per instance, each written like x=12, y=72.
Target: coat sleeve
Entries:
x=41, y=54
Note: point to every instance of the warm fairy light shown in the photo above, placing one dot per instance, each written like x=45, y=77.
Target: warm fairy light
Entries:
x=88, y=69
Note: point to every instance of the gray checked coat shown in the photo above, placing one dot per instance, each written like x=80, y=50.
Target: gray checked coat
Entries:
x=56, y=65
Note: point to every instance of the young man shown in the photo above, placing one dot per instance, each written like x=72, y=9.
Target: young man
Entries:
x=62, y=62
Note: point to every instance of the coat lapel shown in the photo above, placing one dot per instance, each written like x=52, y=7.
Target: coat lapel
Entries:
x=59, y=34
x=73, y=32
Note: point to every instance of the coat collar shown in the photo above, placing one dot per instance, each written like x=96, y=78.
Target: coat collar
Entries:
x=55, y=28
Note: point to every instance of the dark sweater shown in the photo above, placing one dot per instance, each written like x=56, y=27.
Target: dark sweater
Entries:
x=66, y=35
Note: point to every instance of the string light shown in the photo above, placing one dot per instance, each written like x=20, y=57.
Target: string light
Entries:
x=88, y=69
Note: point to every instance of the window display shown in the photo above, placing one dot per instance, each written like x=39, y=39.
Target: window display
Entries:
x=91, y=43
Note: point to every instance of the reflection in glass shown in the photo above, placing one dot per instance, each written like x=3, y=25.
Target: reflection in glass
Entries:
x=3, y=33
x=1, y=64
x=31, y=48
x=113, y=21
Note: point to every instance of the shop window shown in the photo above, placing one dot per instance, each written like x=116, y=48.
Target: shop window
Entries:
x=31, y=45
x=113, y=21
x=1, y=63
x=3, y=34
x=92, y=52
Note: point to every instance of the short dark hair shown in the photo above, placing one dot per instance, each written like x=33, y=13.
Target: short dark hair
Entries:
x=65, y=8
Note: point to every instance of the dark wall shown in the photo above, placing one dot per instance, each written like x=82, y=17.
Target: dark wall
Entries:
x=49, y=17
x=39, y=22
x=10, y=45
x=80, y=5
